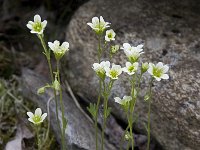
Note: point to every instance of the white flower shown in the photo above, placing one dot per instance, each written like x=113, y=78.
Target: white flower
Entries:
x=113, y=72
x=124, y=100
x=36, y=118
x=100, y=68
x=110, y=35
x=37, y=26
x=158, y=71
x=131, y=68
x=133, y=53
x=58, y=50
x=98, y=25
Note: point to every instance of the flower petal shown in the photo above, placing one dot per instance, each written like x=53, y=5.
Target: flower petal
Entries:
x=51, y=45
x=38, y=112
x=31, y=120
x=95, y=20
x=118, y=100
x=102, y=20
x=44, y=116
x=165, y=76
x=44, y=23
x=37, y=18
x=65, y=45
x=165, y=68
x=29, y=26
x=30, y=114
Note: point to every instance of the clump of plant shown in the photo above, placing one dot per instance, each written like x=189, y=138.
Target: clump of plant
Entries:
x=108, y=74
x=37, y=27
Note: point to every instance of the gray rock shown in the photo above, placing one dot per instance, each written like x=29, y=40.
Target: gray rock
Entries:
x=80, y=134
x=170, y=33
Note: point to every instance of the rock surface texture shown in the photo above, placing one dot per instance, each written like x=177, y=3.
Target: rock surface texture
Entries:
x=80, y=132
x=170, y=32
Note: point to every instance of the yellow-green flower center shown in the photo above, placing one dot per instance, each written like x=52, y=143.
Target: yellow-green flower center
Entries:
x=113, y=73
x=131, y=68
x=110, y=35
x=157, y=72
x=37, y=26
x=37, y=119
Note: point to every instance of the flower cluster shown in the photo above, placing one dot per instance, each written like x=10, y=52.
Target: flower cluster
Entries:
x=132, y=67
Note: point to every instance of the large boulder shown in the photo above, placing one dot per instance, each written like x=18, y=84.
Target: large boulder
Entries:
x=170, y=33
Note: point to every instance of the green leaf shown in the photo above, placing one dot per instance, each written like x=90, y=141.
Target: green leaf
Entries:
x=92, y=110
x=65, y=123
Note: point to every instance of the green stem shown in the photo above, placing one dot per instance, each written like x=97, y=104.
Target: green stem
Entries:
x=37, y=134
x=99, y=48
x=48, y=57
x=149, y=115
x=96, y=117
x=123, y=137
x=104, y=120
x=106, y=93
x=132, y=106
x=62, y=108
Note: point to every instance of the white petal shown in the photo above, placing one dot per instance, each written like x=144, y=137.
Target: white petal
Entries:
x=118, y=100
x=65, y=45
x=91, y=25
x=30, y=114
x=165, y=68
x=96, y=66
x=31, y=120
x=51, y=45
x=158, y=79
x=29, y=26
x=101, y=19
x=127, y=98
x=159, y=65
x=107, y=69
x=95, y=20
x=32, y=31
x=150, y=70
x=128, y=64
x=56, y=43
x=165, y=76
x=44, y=116
x=37, y=18
x=126, y=46
x=44, y=23
x=140, y=46
x=38, y=112
x=107, y=39
x=31, y=22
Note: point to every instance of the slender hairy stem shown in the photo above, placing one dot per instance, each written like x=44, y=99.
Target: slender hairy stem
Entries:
x=62, y=108
x=99, y=48
x=96, y=117
x=37, y=134
x=128, y=145
x=104, y=119
x=48, y=57
x=149, y=113
x=132, y=106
